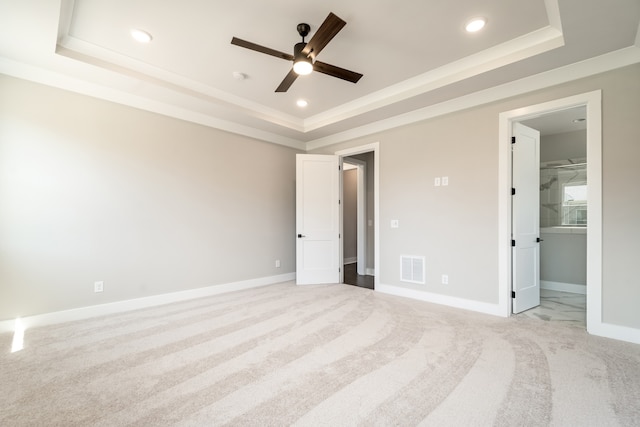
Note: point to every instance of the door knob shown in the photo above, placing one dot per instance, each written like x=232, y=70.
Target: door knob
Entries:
x=301, y=235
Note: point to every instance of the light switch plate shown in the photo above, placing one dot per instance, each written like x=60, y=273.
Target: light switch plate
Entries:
x=436, y=182
x=395, y=223
x=445, y=180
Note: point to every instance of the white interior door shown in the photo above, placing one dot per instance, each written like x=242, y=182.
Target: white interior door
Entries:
x=526, y=218
x=317, y=219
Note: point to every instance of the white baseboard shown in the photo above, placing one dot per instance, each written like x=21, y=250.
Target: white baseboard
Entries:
x=138, y=303
x=351, y=260
x=481, y=307
x=607, y=330
x=563, y=287
x=616, y=332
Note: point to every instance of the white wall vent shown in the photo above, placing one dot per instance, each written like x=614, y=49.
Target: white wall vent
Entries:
x=412, y=269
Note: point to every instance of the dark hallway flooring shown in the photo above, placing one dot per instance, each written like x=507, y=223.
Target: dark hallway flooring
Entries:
x=351, y=277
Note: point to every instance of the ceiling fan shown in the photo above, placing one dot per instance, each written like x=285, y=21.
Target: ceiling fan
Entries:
x=304, y=54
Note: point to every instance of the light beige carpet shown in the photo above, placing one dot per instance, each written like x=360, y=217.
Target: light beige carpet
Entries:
x=316, y=355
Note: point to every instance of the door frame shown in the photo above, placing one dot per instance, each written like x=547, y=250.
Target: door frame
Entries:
x=593, y=103
x=375, y=148
x=361, y=201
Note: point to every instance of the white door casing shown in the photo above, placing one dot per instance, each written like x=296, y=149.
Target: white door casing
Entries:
x=526, y=218
x=593, y=102
x=374, y=148
x=317, y=219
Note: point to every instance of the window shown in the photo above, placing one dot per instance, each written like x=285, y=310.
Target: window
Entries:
x=574, y=203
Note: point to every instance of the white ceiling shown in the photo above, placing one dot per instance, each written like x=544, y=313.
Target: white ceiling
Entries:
x=414, y=56
x=569, y=120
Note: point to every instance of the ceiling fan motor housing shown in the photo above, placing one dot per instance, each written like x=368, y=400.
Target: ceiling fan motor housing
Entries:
x=297, y=51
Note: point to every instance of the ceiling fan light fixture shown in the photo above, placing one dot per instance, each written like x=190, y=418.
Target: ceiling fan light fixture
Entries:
x=475, y=24
x=304, y=54
x=302, y=64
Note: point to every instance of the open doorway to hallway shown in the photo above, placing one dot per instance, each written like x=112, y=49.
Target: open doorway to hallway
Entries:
x=357, y=217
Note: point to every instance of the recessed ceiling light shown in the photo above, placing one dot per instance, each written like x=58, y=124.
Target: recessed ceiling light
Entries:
x=141, y=36
x=301, y=103
x=475, y=24
x=238, y=75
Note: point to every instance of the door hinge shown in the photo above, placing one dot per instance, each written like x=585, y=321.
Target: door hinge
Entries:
x=339, y=236
x=513, y=294
x=339, y=168
x=513, y=191
x=513, y=243
x=513, y=139
x=338, y=201
x=338, y=269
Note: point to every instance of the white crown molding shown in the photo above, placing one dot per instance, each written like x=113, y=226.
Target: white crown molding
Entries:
x=589, y=67
x=522, y=47
x=58, y=80
x=607, y=62
x=528, y=45
x=553, y=14
x=88, y=53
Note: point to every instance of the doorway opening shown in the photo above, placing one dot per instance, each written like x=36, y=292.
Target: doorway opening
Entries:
x=356, y=220
x=563, y=227
x=359, y=215
x=591, y=102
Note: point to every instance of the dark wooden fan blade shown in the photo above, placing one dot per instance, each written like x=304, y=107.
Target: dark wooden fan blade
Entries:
x=332, y=70
x=329, y=28
x=288, y=81
x=248, y=45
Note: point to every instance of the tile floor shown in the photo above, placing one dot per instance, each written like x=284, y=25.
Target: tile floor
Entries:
x=560, y=307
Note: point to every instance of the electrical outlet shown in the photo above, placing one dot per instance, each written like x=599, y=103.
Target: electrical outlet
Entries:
x=98, y=286
x=445, y=279
x=277, y=263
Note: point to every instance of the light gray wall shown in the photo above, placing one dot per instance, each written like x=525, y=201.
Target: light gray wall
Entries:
x=350, y=213
x=91, y=190
x=563, y=257
x=456, y=227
